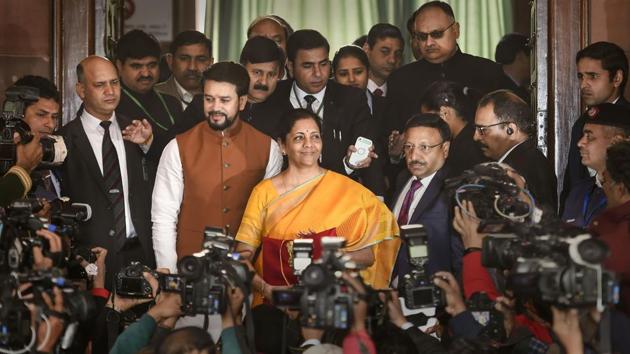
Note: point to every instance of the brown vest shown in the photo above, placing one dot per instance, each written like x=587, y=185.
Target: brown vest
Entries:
x=220, y=169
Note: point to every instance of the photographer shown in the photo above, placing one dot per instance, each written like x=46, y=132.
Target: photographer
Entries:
x=17, y=181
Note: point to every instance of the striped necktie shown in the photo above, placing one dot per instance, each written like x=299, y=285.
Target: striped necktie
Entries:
x=112, y=180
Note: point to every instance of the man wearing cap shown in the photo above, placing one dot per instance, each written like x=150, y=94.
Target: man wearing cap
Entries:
x=275, y=28
x=604, y=124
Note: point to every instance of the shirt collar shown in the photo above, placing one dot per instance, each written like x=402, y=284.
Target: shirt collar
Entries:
x=509, y=151
x=301, y=93
x=373, y=86
x=183, y=93
x=94, y=123
x=425, y=181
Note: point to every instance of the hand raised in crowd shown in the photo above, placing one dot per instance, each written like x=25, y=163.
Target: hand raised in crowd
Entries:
x=233, y=312
x=42, y=262
x=363, y=163
x=505, y=305
x=394, y=309
x=28, y=156
x=51, y=329
x=454, y=299
x=167, y=309
x=566, y=325
x=395, y=145
x=98, y=282
x=139, y=132
x=360, y=306
x=466, y=224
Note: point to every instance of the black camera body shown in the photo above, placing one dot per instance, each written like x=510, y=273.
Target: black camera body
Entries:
x=204, y=278
x=417, y=287
x=11, y=122
x=326, y=301
x=484, y=312
x=559, y=267
x=130, y=281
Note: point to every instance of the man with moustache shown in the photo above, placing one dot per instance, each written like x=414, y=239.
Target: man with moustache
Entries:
x=263, y=59
x=275, y=28
x=503, y=128
x=602, y=69
x=206, y=174
x=137, y=58
x=189, y=55
x=420, y=197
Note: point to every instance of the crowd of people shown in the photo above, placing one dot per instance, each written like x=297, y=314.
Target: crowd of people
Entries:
x=288, y=145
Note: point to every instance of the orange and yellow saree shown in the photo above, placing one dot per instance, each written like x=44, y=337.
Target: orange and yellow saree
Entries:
x=327, y=205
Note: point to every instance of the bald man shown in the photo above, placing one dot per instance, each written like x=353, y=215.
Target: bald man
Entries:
x=107, y=169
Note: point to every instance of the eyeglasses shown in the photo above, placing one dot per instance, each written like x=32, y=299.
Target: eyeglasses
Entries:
x=408, y=148
x=481, y=129
x=437, y=34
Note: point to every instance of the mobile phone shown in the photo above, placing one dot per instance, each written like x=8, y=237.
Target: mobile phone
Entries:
x=363, y=150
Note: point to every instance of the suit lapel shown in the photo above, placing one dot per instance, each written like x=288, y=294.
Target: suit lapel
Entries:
x=84, y=149
x=433, y=191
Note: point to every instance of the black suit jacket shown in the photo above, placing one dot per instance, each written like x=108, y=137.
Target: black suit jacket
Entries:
x=407, y=85
x=82, y=182
x=541, y=181
x=575, y=172
x=433, y=211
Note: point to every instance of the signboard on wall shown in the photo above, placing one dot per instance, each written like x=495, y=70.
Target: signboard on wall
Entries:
x=152, y=16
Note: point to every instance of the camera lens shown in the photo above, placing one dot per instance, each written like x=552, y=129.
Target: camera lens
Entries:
x=190, y=267
x=593, y=250
x=315, y=277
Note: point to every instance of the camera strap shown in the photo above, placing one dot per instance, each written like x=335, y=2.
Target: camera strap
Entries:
x=605, y=346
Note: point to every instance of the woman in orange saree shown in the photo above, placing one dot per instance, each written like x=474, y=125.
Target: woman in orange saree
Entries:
x=306, y=201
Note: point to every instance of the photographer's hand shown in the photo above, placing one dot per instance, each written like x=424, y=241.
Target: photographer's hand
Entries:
x=466, y=224
x=167, y=309
x=394, y=310
x=99, y=279
x=233, y=313
x=506, y=306
x=566, y=325
x=360, y=306
x=454, y=299
x=41, y=262
x=49, y=332
x=28, y=155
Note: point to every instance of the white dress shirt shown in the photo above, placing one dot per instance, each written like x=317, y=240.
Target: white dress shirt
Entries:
x=186, y=97
x=373, y=86
x=95, y=133
x=416, y=196
x=297, y=99
x=168, y=194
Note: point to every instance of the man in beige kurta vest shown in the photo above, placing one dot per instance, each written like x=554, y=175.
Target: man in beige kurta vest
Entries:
x=206, y=174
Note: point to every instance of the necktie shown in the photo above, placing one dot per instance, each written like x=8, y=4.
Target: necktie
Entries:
x=401, y=267
x=112, y=180
x=378, y=92
x=309, y=102
x=403, y=216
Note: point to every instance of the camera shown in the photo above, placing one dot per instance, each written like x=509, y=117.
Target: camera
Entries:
x=326, y=301
x=417, y=287
x=558, y=266
x=11, y=122
x=494, y=195
x=204, y=277
x=130, y=281
x=484, y=312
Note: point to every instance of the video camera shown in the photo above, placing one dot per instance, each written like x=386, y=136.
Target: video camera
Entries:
x=12, y=121
x=559, y=264
x=417, y=287
x=323, y=298
x=204, y=278
x=18, y=232
x=494, y=195
x=484, y=312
